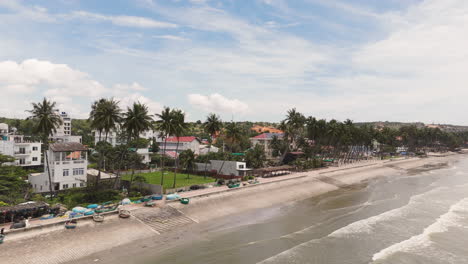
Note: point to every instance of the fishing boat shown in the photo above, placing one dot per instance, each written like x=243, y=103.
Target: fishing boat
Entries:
x=157, y=197
x=2, y=236
x=105, y=209
x=124, y=213
x=71, y=224
x=233, y=185
x=184, y=200
x=98, y=218
x=150, y=204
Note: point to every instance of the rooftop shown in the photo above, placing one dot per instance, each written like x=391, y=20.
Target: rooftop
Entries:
x=268, y=135
x=181, y=139
x=67, y=146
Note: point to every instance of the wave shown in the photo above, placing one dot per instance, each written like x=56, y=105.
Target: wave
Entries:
x=367, y=225
x=450, y=219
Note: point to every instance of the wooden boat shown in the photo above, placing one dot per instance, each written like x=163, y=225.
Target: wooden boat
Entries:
x=2, y=236
x=150, y=204
x=106, y=209
x=71, y=224
x=157, y=197
x=233, y=185
x=184, y=200
x=124, y=213
x=98, y=218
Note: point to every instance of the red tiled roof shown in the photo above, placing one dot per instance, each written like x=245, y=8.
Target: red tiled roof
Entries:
x=181, y=139
x=171, y=154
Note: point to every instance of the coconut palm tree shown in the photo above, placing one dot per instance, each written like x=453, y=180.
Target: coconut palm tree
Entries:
x=212, y=126
x=47, y=122
x=136, y=120
x=166, y=126
x=105, y=116
x=187, y=160
x=293, y=127
x=179, y=125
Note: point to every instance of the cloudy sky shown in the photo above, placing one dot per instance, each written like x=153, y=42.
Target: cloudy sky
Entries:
x=367, y=60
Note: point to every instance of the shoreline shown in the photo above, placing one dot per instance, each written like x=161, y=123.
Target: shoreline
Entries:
x=116, y=237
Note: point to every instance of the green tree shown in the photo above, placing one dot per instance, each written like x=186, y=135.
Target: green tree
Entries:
x=212, y=126
x=255, y=157
x=187, y=160
x=179, y=125
x=47, y=122
x=165, y=125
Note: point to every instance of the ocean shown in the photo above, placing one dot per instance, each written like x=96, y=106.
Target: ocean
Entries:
x=415, y=216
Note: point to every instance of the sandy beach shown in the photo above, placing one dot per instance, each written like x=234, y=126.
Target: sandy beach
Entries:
x=134, y=240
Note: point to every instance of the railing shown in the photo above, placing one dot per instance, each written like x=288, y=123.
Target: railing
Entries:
x=78, y=161
x=26, y=152
x=69, y=161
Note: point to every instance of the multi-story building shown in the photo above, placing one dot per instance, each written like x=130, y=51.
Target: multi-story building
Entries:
x=26, y=152
x=265, y=141
x=114, y=136
x=63, y=132
x=67, y=163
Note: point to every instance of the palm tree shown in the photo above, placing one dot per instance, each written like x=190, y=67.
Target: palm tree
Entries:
x=187, y=160
x=233, y=135
x=212, y=126
x=136, y=120
x=292, y=126
x=166, y=126
x=179, y=125
x=105, y=116
x=47, y=122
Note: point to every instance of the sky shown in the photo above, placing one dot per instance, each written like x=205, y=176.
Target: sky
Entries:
x=366, y=60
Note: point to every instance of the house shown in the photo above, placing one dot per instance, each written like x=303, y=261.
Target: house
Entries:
x=27, y=153
x=265, y=141
x=227, y=168
x=67, y=163
x=175, y=146
x=114, y=137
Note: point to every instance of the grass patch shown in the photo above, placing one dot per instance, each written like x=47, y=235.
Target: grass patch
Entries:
x=181, y=180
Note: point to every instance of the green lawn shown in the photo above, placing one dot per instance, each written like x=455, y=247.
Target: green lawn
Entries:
x=181, y=180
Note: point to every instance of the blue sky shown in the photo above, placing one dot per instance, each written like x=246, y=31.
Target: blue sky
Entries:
x=367, y=60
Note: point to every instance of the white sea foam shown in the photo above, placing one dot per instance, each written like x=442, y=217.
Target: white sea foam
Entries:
x=450, y=219
x=367, y=225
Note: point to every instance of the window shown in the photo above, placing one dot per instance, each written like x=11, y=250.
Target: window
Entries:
x=81, y=184
x=66, y=172
x=34, y=148
x=74, y=185
x=40, y=188
x=22, y=150
x=241, y=166
x=34, y=159
x=22, y=161
x=65, y=186
x=35, y=186
x=78, y=171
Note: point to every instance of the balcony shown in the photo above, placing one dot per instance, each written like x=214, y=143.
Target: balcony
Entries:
x=27, y=152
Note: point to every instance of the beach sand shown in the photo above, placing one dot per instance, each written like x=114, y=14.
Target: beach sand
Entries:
x=132, y=241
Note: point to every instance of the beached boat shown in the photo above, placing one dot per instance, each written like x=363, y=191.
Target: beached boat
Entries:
x=2, y=236
x=233, y=185
x=124, y=213
x=98, y=218
x=71, y=224
x=106, y=209
x=184, y=200
x=150, y=204
x=157, y=197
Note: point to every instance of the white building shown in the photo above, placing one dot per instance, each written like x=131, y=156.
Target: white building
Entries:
x=173, y=144
x=264, y=140
x=67, y=163
x=63, y=132
x=228, y=168
x=26, y=153
x=114, y=137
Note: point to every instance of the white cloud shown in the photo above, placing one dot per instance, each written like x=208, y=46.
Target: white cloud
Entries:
x=128, y=21
x=171, y=37
x=217, y=103
x=128, y=100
